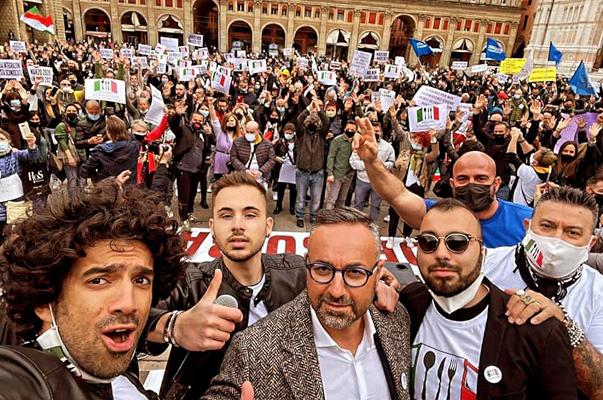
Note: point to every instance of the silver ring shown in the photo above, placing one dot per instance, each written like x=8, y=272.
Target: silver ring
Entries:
x=520, y=292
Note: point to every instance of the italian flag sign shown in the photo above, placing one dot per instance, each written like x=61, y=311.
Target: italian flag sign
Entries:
x=36, y=20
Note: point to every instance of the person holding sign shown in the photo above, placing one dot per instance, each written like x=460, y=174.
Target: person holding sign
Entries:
x=15, y=107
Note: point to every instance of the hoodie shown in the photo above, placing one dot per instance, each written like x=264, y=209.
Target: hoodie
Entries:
x=110, y=159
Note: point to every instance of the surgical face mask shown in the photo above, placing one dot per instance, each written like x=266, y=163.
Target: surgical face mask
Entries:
x=416, y=146
x=476, y=196
x=204, y=113
x=250, y=137
x=460, y=300
x=552, y=257
x=517, y=96
x=93, y=117
x=331, y=113
x=71, y=119
x=5, y=148
x=289, y=136
x=312, y=127
x=15, y=103
x=73, y=82
x=281, y=109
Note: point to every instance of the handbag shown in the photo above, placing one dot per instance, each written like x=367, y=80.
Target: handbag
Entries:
x=17, y=211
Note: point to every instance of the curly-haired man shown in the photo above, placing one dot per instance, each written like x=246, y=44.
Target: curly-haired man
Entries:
x=80, y=278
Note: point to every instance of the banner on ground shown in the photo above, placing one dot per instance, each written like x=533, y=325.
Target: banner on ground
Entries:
x=10, y=69
x=372, y=75
x=382, y=55
x=45, y=72
x=156, y=110
x=256, y=66
x=144, y=49
x=195, y=40
x=220, y=82
x=428, y=96
x=511, y=65
x=18, y=46
x=327, y=78
x=360, y=62
x=459, y=64
x=543, y=74
x=106, y=90
x=422, y=119
x=391, y=71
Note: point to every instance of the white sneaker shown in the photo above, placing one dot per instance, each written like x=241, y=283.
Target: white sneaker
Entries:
x=386, y=219
x=390, y=243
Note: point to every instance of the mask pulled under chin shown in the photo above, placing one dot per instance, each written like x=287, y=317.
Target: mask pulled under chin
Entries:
x=52, y=344
x=552, y=257
x=460, y=300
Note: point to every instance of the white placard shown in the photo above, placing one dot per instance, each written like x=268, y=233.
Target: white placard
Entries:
x=221, y=82
x=144, y=49
x=183, y=50
x=18, y=46
x=287, y=52
x=302, y=63
x=143, y=62
x=327, y=78
x=273, y=52
x=400, y=61
x=195, y=40
x=173, y=57
x=11, y=69
x=184, y=63
x=160, y=49
x=387, y=98
x=479, y=68
x=392, y=71
x=360, y=62
x=466, y=109
x=156, y=110
x=372, y=75
x=228, y=56
x=223, y=70
x=170, y=44
x=459, y=64
x=203, y=53
x=382, y=55
x=410, y=75
x=24, y=129
x=186, y=74
x=11, y=188
x=256, y=66
x=106, y=90
x=335, y=65
x=422, y=119
x=161, y=67
x=126, y=52
x=240, y=54
x=428, y=96
x=106, y=53
x=239, y=64
x=45, y=72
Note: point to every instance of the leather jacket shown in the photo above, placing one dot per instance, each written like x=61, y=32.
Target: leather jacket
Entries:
x=188, y=375
x=27, y=373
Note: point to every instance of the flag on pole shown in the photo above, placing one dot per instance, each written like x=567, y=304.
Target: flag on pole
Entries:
x=420, y=48
x=554, y=54
x=34, y=18
x=494, y=50
x=580, y=82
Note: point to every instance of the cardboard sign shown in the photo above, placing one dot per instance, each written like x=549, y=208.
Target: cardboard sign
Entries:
x=195, y=40
x=459, y=64
x=45, y=72
x=156, y=109
x=372, y=75
x=422, y=119
x=382, y=55
x=360, y=62
x=144, y=49
x=18, y=46
x=11, y=69
x=428, y=96
x=221, y=82
x=327, y=78
x=106, y=53
x=391, y=71
x=543, y=74
x=112, y=90
x=126, y=52
x=387, y=98
x=256, y=66
x=512, y=65
x=399, y=60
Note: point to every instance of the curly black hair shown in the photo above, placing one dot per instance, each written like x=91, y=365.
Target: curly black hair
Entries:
x=40, y=251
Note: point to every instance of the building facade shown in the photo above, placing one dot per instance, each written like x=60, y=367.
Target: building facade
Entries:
x=455, y=29
x=526, y=25
x=576, y=28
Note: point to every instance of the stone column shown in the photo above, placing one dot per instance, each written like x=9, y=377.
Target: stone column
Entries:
x=511, y=39
x=223, y=27
x=322, y=37
x=354, y=36
x=290, y=34
x=78, y=20
x=22, y=33
x=477, y=50
x=55, y=10
x=256, y=34
x=187, y=20
x=412, y=56
x=387, y=31
x=445, y=59
x=116, y=35
x=152, y=26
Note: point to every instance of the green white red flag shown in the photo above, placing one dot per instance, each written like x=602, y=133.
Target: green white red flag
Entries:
x=34, y=18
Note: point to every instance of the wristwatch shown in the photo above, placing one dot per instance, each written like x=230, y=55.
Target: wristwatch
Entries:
x=434, y=140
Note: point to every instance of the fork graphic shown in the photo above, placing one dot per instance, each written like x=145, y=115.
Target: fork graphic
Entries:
x=451, y=372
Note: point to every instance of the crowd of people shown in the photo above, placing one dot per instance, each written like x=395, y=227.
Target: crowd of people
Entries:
x=502, y=206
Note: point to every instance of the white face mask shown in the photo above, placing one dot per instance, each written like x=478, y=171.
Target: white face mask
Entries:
x=250, y=137
x=552, y=257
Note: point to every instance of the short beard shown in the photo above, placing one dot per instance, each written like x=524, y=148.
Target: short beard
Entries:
x=339, y=320
x=445, y=288
x=241, y=258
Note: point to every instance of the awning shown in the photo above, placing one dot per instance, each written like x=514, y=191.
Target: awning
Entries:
x=339, y=37
x=369, y=40
x=133, y=28
x=463, y=46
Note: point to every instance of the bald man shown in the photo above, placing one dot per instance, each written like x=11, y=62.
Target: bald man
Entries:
x=90, y=131
x=253, y=154
x=474, y=182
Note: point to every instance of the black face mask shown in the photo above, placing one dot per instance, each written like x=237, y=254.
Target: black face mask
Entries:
x=312, y=128
x=274, y=120
x=71, y=119
x=73, y=82
x=231, y=128
x=477, y=197
x=566, y=158
x=350, y=134
x=500, y=139
x=34, y=124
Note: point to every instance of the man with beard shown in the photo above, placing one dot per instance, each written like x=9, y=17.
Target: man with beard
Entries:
x=329, y=342
x=78, y=281
x=474, y=182
x=460, y=334
x=197, y=328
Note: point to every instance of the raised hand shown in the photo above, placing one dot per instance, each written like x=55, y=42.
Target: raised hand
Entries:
x=365, y=143
x=581, y=122
x=593, y=131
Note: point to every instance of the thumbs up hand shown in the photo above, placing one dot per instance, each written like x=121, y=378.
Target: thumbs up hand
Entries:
x=207, y=326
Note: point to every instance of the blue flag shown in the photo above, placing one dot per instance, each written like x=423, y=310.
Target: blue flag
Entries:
x=554, y=54
x=494, y=50
x=420, y=48
x=580, y=82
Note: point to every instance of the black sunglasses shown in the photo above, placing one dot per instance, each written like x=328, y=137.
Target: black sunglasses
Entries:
x=456, y=242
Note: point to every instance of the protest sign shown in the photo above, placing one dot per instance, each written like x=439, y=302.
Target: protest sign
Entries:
x=106, y=90
x=183, y=50
x=382, y=55
x=10, y=69
x=184, y=63
x=543, y=74
x=512, y=65
x=256, y=66
x=195, y=40
x=203, y=53
x=228, y=56
x=160, y=49
x=287, y=52
x=199, y=70
x=106, y=53
x=421, y=119
x=143, y=62
x=170, y=44
x=273, y=52
x=408, y=73
x=428, y=96
x=220, y=82
x=18, y=46
x=173, y=57
x=502, y=78
x=400, y=61
x=327, y=78
x=466, y=109
x=144, y=49
x=391, y=71
x=162, y=67
x=302, y=63
x=569, y=133
x=126, y=52
x=387, y=98
x=459, y=64
x=335, y=65
x=186, y=74
x=479, y=68
x=360, y=62
x=45, y=72
x=240, y=53
x=372, y=75
x=239, y=64
x=156, y=110
x=223, y=70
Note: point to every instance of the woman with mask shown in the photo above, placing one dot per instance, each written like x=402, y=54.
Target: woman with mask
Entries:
x=147, y=164
x=564, y=171
x=225, y=134
x=36, y=175
x=65, y=134
x=15, y=107
x=203, y=128
x=284, y=149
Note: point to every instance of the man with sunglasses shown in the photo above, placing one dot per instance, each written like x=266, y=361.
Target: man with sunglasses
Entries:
x=329, y=342
x=463, y=347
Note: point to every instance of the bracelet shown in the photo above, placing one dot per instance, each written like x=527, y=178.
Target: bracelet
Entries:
x=166, y=337
x=171, y=328
x=576, y=335
x=521, y=141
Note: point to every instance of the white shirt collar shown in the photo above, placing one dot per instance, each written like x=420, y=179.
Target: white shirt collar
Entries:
x=322, y=339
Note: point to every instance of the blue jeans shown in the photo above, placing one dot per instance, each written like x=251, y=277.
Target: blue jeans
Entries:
x=303, y=181
x=361, y=192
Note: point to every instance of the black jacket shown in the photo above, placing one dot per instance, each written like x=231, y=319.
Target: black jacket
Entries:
x=110, y=159
x=285, y=279
x=87, y=129
x=535, y=360
x=27, y=373
x=185, y=137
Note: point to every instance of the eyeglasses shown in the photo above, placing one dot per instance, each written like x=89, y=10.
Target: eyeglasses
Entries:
x=353, y=276
x=456, y=242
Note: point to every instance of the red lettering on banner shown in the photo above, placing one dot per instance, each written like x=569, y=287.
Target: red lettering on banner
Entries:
x=272, y=247
x=214, y=251
x=196, y=241
x=410, y=256
x=306, y=242
x=388, y=253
